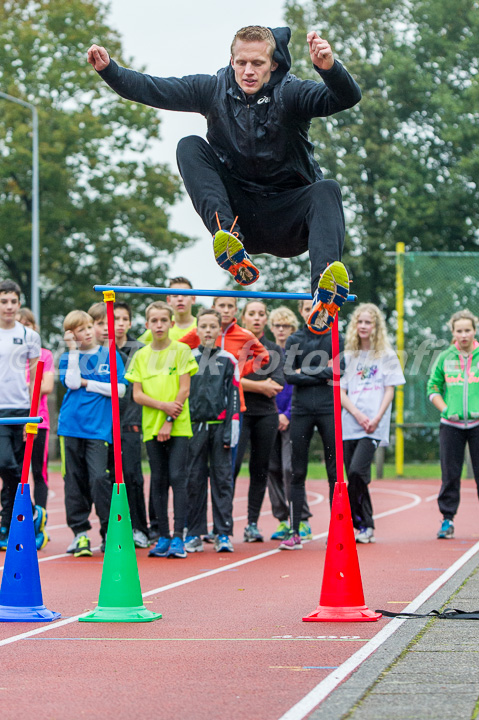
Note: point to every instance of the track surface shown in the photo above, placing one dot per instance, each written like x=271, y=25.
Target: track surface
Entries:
x=231, y=643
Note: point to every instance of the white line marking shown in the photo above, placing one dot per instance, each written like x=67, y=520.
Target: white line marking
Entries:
x=324, y=688
x=171, y=586
x=416, y=500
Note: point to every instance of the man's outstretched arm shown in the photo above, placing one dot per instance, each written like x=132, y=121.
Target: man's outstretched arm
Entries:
x=189, y=94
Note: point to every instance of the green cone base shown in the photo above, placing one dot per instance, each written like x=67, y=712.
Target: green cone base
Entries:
x=121, y=614
x=120, y=592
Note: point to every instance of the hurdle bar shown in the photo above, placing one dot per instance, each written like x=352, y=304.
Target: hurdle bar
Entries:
x=20, y=420
x=209, y=293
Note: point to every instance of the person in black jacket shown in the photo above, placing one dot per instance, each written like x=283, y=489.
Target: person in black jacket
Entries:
x=260, y=420
x=256, y=173
x=214, y=412
x=130, y=422
x=309, y=367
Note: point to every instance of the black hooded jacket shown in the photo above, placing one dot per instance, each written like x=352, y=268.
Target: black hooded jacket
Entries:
x=262, y=139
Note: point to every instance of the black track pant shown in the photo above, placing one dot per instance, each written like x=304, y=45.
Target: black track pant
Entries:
x=168, y=464
x=285, y=223
x=87, y=481
x=132, y=475
x=452, y=443
x=207, y=456
x=358, y=457
x=279, y=478
x=12, y=449
x=261, y=431
x=302, y=428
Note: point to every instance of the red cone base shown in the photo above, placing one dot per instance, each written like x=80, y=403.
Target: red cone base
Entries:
x=342, y=614
x=342, y=598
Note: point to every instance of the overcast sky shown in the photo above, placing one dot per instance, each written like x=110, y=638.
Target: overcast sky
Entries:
x=180, y=38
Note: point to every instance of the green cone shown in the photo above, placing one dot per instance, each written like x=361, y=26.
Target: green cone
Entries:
x=120, y=592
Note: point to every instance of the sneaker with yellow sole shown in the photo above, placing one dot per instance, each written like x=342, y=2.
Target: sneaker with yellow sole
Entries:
x=231, y=256
x=331, y=294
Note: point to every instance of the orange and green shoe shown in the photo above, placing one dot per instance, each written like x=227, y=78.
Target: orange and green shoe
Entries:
x=231, y=256
x=330, y=295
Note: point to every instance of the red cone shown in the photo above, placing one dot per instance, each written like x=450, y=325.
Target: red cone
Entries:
x=342, y=598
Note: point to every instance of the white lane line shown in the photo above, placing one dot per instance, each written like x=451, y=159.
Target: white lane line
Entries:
x=326, y=686
x=416, y=500
x=171, y=586
x=318, y=498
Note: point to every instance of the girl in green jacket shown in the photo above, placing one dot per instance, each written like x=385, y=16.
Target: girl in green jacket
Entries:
x=453, y=389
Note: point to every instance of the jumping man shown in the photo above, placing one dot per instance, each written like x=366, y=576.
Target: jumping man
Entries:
x=255, y=182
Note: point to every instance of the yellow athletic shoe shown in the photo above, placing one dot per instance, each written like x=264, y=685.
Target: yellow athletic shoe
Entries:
x=330, y=295
x=231, y=256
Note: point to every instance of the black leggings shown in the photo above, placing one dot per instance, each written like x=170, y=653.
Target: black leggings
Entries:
x=261, y=431
x=452, y=442
x=285, y=223
x=358, y=458
x=302, y=428
x=168, y=461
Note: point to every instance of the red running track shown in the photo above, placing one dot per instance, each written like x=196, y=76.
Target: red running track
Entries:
x=231, y=643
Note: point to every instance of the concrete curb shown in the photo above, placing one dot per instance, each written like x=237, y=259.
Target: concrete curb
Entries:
x=342, y=700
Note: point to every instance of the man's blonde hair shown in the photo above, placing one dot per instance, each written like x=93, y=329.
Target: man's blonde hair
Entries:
x=75, y=319
x=255, y=33
x=159, y=305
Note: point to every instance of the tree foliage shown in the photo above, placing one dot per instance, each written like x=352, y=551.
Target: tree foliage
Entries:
x=406, y=157
x=103, y=204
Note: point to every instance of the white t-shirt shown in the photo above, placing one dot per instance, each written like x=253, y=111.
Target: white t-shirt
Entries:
x=365, y=379
x=17, y=345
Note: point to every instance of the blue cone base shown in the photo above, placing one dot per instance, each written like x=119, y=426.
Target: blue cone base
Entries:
x=121, y=614
x=39, y=613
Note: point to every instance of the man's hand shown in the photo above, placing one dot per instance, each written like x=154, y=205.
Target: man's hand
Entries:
x=98, y=57
x=283, y=422
x=320, y=51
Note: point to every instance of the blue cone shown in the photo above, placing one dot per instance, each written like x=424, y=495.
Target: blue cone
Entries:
x=21, y=593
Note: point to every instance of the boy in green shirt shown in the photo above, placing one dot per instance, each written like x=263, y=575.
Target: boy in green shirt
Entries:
x=161, y=374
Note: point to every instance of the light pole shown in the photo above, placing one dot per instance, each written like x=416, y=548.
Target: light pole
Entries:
x=35, y=206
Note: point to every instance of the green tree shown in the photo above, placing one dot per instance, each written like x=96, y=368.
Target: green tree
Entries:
x=407, y=156
x=103, y=205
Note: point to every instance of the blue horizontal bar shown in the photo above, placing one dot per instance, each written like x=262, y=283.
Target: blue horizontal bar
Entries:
x=209, y=293
x=20, y=420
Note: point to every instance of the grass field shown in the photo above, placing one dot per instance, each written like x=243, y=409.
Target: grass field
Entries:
x=316, y=471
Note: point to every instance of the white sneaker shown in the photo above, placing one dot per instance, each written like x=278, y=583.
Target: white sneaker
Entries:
x=140, y=539
x=365, y=535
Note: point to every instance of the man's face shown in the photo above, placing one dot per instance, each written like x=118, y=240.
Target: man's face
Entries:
x=252, y=64
x=227, y=308
x=9, y=306
x=181, y=304
x=159, y=323
x=100, y=328
x=122, y=323
x=208, y=330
